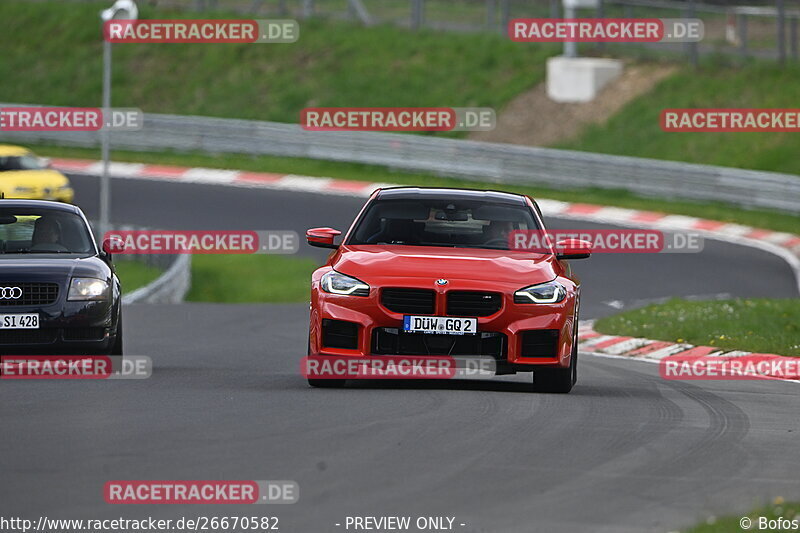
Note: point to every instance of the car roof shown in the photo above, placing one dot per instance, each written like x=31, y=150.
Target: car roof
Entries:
x=11, y=150
x=46, y=204
x=445, y=193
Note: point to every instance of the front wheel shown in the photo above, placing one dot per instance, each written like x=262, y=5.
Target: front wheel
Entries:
x=327, y=383
x=324, y=383
x=117, y=348
x=559, y=380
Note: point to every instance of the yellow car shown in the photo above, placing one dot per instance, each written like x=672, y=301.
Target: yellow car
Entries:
x=25, y=175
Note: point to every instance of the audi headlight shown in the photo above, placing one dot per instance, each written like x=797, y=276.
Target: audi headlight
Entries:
x=87, y=289
x=545, y=293
x=337, y=283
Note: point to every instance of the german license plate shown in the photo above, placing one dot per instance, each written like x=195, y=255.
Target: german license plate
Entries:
x=20, y=321
x=440, y=324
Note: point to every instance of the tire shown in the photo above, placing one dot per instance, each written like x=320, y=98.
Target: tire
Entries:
x=324, y=383
x=555, y=380
x=559, y=380
x=116, y=350
x=327, y=383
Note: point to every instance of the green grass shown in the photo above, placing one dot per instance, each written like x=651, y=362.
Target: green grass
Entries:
x=353, y=171
x=133, y=274
x=727, y=524
x=635, y=130
x=55, y=52
x=250, y=278
x=756, y=325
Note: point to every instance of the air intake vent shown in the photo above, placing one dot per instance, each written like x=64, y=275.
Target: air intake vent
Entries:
x=339, y=334
x=409, y=301
x=540, y=343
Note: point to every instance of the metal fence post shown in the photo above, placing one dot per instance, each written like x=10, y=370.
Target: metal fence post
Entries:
x=308, y=8
x=691, y=47
x=793, y=37
x=781, y=29
x=505, y=14
x=601, y=14
x=491, y=15
x=417, y=13
x=555, y=8
x=742, y=24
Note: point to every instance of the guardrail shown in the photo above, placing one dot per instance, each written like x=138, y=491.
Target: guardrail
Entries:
x=471, y=160
x=170, y=287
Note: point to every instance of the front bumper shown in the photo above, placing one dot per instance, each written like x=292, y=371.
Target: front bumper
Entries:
x=64, y=328
x=518, y=336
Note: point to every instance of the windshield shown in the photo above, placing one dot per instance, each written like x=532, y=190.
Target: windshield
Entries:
x=442, y=222
x=26, y=230
x=25, y=162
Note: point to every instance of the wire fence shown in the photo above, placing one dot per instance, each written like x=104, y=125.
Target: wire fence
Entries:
x=757, y=28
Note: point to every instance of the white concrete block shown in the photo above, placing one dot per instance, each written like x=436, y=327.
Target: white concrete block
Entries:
x=579, y=79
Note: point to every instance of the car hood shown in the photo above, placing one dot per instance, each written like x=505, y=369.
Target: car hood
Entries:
x=370, y=261
x=40, y=178
x=19, y=267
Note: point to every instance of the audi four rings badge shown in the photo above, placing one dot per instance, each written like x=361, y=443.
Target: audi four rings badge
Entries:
x=10, y=293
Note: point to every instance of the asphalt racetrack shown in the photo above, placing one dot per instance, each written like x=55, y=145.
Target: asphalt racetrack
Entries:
x=625, y=451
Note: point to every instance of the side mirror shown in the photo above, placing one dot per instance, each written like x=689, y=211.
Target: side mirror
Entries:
x=113, y=245
x=45, y=162
x=573, y=249
x=322, y=237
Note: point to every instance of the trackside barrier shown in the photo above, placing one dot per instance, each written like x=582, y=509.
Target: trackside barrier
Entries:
x=169, y=288
x=471, y=160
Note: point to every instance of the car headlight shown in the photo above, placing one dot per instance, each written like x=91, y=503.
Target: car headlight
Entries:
x=87, y=289
x=337, y=283
x=545, y=293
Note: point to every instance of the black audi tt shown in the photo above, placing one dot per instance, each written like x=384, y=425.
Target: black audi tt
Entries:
x=59, y=293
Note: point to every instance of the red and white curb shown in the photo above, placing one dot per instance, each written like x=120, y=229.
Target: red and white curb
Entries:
x=651, y=351
x=785, y=245
x=216, y=176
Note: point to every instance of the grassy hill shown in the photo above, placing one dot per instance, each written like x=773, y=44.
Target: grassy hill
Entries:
x=635, y=129
x=53, y=55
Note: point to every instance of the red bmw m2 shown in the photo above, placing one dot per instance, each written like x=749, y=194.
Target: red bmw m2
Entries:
x=430, y=272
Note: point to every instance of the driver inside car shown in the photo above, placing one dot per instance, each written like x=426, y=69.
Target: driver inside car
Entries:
x=47, y=235
x=497, y=232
